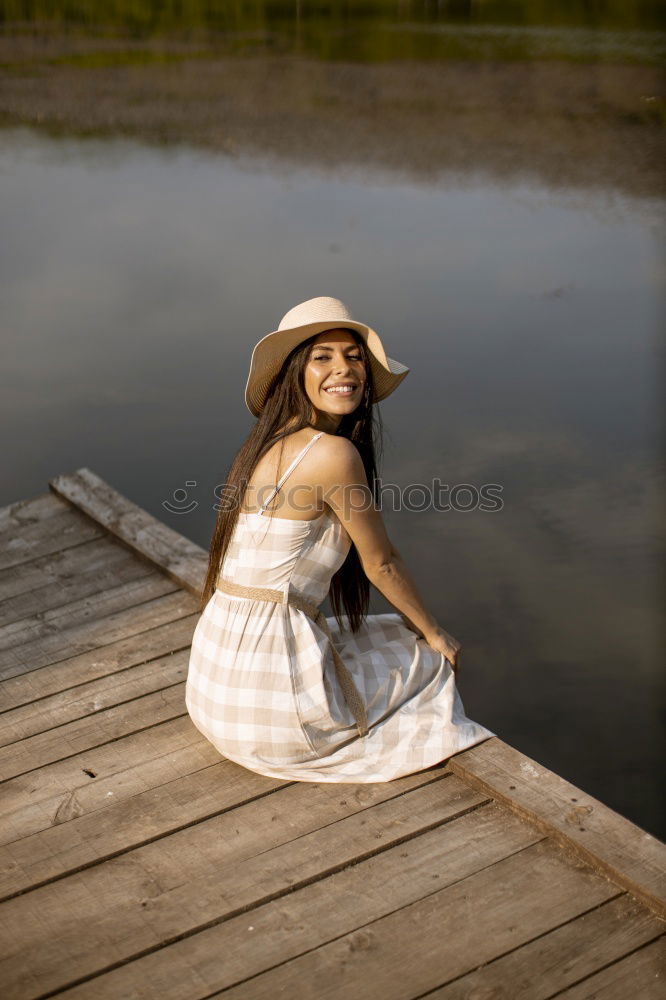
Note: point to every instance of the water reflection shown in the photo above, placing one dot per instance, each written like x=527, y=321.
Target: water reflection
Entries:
x=564, y=95
x=494, y=215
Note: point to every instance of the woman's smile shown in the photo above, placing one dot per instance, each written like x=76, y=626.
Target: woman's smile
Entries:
x=344, y=389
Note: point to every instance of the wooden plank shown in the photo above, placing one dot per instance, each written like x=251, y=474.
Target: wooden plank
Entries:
x=33, y=541
x=642, y=975
x=30, y=511
x=95, y=696
x=565, y=956
x=420, y=946
x=177, y=556
x=611, y=843
x=96, y=633
x=147, y=639
x=98, y=729
x=261, y=938
x=58, y=792
x=199, y=794
x=52, y=581
x=84, y=609
x=179, y=884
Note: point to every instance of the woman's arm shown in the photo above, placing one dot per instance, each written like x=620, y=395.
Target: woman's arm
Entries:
x=394, y=580
x=408, y=622
x=397, y=581
x=339, y=469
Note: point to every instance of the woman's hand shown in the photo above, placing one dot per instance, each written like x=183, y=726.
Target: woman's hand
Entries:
x=445, y=643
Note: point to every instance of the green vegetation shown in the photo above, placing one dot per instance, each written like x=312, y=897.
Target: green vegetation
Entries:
x=629, y=31
x=154, y=16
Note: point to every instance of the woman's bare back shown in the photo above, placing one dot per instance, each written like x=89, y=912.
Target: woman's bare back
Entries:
x=297, y=498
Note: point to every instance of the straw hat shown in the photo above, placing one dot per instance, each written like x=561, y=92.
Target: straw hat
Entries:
x=303, y=321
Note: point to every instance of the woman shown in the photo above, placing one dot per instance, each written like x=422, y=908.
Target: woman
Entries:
x=272, y=683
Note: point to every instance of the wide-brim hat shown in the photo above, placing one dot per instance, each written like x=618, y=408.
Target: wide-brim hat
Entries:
x=303, y=321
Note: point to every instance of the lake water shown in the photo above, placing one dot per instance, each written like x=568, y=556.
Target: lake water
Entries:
x=509, y=254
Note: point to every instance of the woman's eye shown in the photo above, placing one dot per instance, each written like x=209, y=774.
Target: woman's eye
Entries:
x=324, y=357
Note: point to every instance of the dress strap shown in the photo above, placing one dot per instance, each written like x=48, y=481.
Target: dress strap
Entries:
x=290, y=470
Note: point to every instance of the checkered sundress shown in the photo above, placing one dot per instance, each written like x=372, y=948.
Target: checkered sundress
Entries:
x=262, y=685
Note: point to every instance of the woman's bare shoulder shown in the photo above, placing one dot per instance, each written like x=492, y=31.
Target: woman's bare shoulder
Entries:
x=337, y=460
x=335, y=447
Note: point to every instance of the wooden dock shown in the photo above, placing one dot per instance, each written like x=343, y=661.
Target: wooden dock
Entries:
x=136, y=862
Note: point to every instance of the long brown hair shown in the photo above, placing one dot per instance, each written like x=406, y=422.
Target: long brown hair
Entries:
x=288, y=409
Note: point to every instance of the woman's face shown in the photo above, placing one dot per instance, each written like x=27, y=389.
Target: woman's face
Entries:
x=334, y=359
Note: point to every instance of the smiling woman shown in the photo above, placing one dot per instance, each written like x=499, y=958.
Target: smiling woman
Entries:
x=272, y=683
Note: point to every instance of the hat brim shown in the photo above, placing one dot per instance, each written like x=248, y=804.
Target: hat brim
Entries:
x=270, y=353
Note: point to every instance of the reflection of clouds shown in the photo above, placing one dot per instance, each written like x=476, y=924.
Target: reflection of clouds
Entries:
x=565, y=570
x=543, y=611
x=607, y=206
x=615, y=516
x=475, y=451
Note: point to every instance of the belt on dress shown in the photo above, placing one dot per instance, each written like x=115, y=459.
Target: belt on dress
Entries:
x=345, y=679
